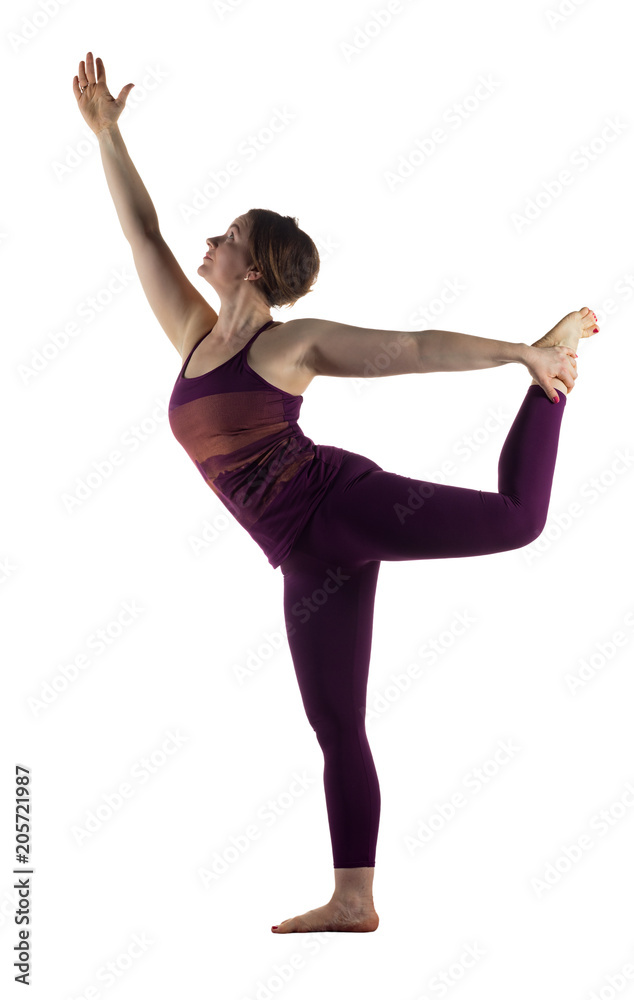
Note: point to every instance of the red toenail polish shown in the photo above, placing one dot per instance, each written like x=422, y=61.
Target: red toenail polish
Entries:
x=274, y=927
x=596, y=329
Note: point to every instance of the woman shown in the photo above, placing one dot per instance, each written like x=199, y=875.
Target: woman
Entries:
x=326, y=516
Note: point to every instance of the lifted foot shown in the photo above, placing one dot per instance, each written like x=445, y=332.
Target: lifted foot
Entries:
x=569, y=331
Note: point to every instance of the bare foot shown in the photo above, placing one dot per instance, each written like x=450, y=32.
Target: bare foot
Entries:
x=334, y=916
x=570, y=330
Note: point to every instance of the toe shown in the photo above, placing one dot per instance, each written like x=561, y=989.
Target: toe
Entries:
x=588, y=317
x=589, y=321
x=284, y=927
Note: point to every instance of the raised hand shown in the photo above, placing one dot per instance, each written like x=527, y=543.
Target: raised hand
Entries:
x=97, y=105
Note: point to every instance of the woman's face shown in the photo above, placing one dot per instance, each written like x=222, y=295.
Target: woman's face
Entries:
x=229, y=259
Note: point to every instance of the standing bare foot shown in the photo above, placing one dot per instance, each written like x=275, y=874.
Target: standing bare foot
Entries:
x=337, y=915
x=569, y=331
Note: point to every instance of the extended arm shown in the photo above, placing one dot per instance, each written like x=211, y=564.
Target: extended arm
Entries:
x=352, y=351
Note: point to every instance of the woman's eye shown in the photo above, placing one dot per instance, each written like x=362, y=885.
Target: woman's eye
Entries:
x=230, y=233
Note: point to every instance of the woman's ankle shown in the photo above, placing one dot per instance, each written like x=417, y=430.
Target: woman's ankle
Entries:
x=557, y=384
x=353, y=884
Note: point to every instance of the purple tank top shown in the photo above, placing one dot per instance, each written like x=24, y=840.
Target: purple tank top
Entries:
x=242, y=434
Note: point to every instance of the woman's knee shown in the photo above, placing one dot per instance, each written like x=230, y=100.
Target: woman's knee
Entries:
x=527, y=528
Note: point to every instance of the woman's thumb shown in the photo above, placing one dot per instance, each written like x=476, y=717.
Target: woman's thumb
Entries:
x=123, y=94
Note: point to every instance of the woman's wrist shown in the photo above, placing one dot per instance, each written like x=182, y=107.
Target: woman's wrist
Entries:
x=504, y=352
x=107, y=131
x=523, y=353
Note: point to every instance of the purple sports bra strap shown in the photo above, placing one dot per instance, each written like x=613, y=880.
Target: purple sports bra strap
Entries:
x=186, y=362
x=256, y=334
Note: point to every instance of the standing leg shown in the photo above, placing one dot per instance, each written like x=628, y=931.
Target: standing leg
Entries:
x=329, y=610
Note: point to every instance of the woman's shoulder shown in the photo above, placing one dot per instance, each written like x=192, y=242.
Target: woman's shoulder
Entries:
x=279, y=355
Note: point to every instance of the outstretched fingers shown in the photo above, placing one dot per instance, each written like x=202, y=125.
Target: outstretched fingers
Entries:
x=91, y=71
x=87, y=74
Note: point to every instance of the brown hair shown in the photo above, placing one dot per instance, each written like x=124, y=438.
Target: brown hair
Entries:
x=284, y=253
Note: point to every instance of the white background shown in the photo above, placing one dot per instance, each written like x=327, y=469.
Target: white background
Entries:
x=362, y=93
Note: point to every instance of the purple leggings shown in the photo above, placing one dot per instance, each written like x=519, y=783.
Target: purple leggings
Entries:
x=330, y=582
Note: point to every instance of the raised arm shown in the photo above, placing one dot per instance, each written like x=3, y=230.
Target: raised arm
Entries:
x=178, y=306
